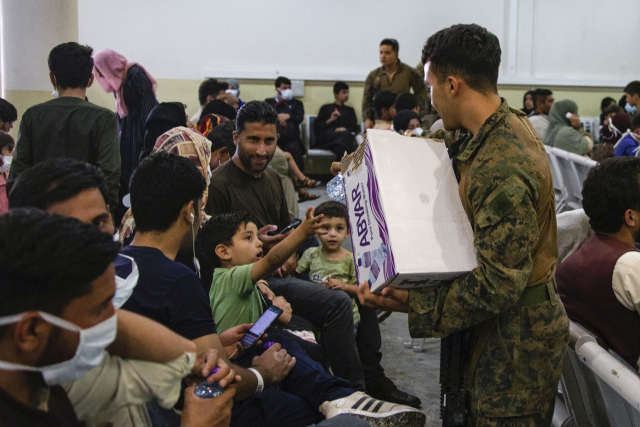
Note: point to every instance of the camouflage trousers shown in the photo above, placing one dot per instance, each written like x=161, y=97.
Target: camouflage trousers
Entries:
x=517, y=375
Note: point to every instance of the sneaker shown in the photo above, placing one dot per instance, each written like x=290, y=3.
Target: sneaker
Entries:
x=376, y=412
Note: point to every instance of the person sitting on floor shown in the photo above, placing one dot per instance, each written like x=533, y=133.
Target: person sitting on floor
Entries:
x=600, y=282
x=337, y=123
x=384, y=105
x=407, y=122
x=407, y=101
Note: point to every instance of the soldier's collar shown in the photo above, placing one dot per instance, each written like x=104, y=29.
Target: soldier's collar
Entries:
x=478, y=139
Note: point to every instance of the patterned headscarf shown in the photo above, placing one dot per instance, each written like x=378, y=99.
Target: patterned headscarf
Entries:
x=208, y=122
x=183, y=142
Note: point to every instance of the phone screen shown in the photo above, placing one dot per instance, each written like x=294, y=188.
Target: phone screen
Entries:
x=259, y=328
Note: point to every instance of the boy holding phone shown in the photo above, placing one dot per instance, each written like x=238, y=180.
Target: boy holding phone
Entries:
x=231, y=241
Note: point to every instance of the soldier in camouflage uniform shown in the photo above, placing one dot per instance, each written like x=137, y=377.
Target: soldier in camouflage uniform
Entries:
x=519, y=328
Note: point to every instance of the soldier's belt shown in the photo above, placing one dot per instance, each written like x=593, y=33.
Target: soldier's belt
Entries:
x=535, y=295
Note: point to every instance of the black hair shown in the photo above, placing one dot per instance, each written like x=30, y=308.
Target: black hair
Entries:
x=340, y=86
x=8, y=112
x=282, y=80
x=221, y=136
x=71, y=64
x=49, y=260
x=540, y=96
x=468, y=51
x=635, y=123
x=6, y=141
x=612, y=186
x=633, y=88
x=160, y=187
x=402, y=119
x=333, y=210
x=606, y=102
x=406, y=101
x=219, y=230
x=384, y=99
x=613, y=109
x=256, y=112
x=395, y=46
x=55, y=180
x=220, y=108
x=206, y=88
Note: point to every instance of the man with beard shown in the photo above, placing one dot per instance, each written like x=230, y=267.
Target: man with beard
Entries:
x=600, y=283
x=246, y=184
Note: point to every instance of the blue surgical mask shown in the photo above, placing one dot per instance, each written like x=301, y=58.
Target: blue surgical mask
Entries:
x=631, y=109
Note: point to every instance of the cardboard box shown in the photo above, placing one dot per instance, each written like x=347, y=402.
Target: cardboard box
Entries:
x=408, y=227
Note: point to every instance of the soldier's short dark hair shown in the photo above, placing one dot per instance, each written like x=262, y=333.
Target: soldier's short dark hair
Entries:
x=611, y=188
x=339, y=86
x=8, y=112
x=633, y=88
x=71, y=64
x=384, y=99
x=395, y=46
x=282, y=80
x=468, y=51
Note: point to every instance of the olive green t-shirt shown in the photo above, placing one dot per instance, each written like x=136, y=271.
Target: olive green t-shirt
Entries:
x=319, y=268
x=234, y=298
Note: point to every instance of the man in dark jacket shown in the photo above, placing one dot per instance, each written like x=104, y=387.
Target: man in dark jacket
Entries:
x=336, y=123
x=290, y=114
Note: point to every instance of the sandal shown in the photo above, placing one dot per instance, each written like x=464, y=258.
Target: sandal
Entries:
x=305, y=196
x=307, y=182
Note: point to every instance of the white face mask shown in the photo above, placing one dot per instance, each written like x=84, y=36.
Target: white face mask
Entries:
x=55, y=93
x=233, y=92
x=91, y=347
x=6, y=163
x=124, y=287
x=418, y=131
x=286, y=94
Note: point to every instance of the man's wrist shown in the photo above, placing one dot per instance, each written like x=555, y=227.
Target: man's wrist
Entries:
x=261, y=384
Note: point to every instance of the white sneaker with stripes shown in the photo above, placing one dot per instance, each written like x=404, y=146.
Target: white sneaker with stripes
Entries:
x=377, y=413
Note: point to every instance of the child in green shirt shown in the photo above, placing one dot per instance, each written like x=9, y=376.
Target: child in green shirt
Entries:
x=331, y=264
x=231, y=241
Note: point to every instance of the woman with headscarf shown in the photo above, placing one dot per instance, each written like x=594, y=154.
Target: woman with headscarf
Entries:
x=234, y=89
x=563, y=131
x=163, y=117
x=528, y=102
x=183, y=142
x=134, y=90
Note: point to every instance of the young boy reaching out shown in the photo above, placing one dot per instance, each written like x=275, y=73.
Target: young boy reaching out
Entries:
x=231, y=241
x=331, y=264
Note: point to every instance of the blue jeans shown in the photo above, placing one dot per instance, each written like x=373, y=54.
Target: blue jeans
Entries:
x=295, y=401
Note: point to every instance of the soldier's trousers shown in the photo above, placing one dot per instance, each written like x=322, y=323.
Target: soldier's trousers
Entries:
x=517, y=375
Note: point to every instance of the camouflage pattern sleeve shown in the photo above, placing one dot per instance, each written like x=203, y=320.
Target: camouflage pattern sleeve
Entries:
x=368, y=111
x=443, y=135
x=505, y=233
x=419, y=88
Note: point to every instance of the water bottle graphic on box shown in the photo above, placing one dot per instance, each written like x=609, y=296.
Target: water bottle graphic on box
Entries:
x=373, y=260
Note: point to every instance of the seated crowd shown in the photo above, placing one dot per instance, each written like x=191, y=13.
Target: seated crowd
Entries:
x=95, y=330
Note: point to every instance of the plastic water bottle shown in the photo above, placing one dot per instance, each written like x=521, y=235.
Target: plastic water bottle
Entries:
x=208, y=391
x=373, y=260
x=335, y=189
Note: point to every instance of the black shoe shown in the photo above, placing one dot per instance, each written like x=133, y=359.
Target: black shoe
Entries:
x=387, y=390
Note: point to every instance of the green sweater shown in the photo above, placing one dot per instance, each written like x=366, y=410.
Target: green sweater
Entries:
x=73, y=128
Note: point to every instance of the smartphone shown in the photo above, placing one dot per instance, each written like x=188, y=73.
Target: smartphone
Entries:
x=258, y=329
x=294, y=224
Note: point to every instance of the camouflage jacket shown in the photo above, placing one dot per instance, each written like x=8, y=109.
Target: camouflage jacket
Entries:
x=405, y=79
x=507, y=192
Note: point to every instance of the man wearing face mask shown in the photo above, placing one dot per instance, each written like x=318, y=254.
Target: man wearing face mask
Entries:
x=69, y=126
x=6, y=152
x=632, y=94
x=290, y=114
x=57, y=320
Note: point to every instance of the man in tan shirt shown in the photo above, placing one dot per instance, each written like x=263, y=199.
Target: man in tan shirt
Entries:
x=393, y=76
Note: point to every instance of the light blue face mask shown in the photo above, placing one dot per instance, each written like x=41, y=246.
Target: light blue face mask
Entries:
x=631, y=109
